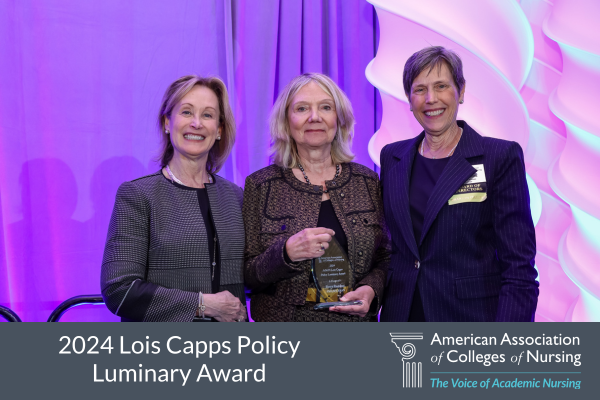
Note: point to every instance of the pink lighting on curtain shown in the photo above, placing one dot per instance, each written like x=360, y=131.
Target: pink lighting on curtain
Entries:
x=81, y=84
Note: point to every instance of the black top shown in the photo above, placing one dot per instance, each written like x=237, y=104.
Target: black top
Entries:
x=328, y=219
x=424, y=175
x=211, y=237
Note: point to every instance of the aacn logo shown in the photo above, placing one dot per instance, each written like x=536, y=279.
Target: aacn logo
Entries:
x=412, y=372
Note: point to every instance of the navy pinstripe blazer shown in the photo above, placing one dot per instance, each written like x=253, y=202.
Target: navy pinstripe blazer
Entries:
x=475, y=261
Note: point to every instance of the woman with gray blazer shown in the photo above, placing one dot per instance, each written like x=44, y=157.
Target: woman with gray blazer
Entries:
x=175, y=245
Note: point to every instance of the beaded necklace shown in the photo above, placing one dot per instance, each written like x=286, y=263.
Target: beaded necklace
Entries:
x=337, y=173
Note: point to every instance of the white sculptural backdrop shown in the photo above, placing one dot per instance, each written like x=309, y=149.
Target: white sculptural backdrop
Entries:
x=532, y=70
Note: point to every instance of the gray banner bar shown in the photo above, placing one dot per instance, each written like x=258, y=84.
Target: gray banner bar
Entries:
x=300, y=361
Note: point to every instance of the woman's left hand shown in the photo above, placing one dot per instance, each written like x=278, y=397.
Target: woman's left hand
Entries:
x=364, y=294
x=224, y=307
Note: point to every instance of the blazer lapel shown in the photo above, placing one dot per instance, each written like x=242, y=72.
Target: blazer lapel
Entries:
x=399, y=185
x=458, y=170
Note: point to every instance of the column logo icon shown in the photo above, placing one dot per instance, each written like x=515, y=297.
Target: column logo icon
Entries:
x=412, y=372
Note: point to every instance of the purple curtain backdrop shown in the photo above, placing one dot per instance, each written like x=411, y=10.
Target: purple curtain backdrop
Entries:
x=80, y=86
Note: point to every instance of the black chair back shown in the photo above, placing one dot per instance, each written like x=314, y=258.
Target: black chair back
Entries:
x=74, y=302
x=9, y=314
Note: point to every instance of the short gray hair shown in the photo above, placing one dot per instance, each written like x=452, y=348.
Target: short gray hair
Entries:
x=431, y=57
x=283, y=147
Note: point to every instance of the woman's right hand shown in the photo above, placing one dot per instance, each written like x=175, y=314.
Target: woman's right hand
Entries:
x=224, y=307
x=308, y=243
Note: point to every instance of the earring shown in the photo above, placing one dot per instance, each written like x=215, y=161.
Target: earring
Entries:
x=461, y=101
x=167, y=131
x=218, y=137
x=411, y=109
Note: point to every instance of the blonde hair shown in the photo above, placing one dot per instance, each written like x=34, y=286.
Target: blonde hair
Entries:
x=283, y=147
x=177, y=90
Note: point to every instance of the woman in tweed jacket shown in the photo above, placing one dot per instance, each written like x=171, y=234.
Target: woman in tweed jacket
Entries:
x=174, y=250
x=313, y=192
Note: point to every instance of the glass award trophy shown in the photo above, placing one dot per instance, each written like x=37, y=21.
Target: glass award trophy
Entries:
x=331, y=273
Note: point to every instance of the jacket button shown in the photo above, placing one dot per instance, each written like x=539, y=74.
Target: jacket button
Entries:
x=417, y=264
x=341, y=194
x=366, y=221
x=360, y=253
x=316, y=188
x=353, y=221
x=283, y=227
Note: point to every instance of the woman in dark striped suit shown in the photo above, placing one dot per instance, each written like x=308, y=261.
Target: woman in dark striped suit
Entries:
x=457, y=206
x=175, y=246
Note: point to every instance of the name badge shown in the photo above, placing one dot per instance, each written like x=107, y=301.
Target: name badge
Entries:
x=473, y=190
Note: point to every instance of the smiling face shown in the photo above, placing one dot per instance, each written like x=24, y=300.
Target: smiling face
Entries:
x=434, y=100
x=312, y=117
x=194, y=123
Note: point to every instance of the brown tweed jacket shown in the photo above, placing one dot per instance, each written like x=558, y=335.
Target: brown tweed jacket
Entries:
x=277, y=205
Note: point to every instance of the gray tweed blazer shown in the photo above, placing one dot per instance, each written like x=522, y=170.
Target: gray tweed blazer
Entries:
x=156, y=258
